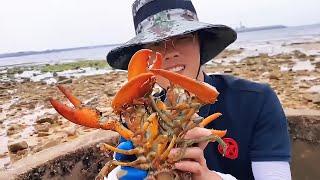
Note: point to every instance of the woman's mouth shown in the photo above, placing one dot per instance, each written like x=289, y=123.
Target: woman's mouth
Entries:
x=177, y=68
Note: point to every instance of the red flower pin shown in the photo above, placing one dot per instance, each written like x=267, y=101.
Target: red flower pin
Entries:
x=232, y=148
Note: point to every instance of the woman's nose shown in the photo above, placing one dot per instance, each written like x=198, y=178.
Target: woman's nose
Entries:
x=171, y=52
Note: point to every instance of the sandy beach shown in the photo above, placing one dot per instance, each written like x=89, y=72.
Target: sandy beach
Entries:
x=28, y=123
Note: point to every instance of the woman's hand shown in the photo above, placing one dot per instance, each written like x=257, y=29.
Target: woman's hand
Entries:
x=193, y=160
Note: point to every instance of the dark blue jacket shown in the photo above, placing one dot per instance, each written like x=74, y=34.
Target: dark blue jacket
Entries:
x=254, y=118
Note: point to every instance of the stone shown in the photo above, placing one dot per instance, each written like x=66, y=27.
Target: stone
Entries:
x=44, y=127
x=308, y=97
x=14, y=129
x=274, y=76
x=299, y=54
x=70, y=131
x=263, y=55
x=316, y=99
x=17, y=146
x=228, y=70
x=45, y=119
x=3, y=155
x=304, y=86
x=111, y=92
x=42, y=134
x=66, y=81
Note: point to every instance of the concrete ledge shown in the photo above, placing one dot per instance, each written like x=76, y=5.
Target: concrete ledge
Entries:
x=79, y=159
x=304, y=125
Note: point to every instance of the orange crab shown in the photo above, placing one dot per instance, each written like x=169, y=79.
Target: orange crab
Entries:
x=153, y=126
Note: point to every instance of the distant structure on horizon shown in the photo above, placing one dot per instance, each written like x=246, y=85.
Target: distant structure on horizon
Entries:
x=243, y=28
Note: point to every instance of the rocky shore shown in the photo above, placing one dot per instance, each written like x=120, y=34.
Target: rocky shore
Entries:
x=28, y=124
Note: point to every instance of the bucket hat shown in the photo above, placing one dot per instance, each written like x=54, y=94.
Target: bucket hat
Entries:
x=159, y=20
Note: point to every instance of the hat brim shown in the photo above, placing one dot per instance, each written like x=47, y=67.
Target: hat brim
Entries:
x=213, y=40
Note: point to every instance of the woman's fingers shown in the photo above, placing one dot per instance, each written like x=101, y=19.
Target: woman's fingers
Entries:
x=192, y=153
x=196, y=133
x=189, y=166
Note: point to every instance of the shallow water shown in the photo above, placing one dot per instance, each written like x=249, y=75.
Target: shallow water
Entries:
x=303, y=65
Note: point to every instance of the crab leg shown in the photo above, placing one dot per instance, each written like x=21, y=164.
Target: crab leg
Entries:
x=118, y=127
x=206, y=93
x=220, y=133
x=152, y=130
x=139, y=160
x=167, y=151
x=209, y=119
x=137, y=150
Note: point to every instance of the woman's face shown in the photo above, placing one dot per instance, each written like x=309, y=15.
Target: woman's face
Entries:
x=181, y=54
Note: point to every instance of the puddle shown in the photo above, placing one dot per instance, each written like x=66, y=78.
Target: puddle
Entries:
x=303, y=65
x=314, y=89
x=36, y=76
x=284, y=68
x=305, y=160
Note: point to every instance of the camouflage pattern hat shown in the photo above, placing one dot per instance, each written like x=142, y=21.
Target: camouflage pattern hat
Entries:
x=158, y=20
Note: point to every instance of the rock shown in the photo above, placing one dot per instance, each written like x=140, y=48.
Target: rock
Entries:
x=17, y=146
x=3, y=155
x=46, y=119
x=304, y=86
x=299, y=54
x=316, y=99
x=228, y=70
x=317, y=64
x=111, y=92
x=14, y=129
x=61, y=78
x=54, y=74
x=22, y=152
x=263, y=55
x=66, y=81
x=43, y=127
x=274, y=76
x=42, y=134
x=251, y=62
x=70, y=131
x=308, y=97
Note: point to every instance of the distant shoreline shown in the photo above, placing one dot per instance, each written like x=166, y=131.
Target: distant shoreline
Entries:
x=26, y=53
x=250, y=29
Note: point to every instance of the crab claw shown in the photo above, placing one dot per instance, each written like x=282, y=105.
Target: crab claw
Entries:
x=158, y=62
x=139, y=63
x=86, y=116
x=205, y=93
x=137, y=87
x=82, y=116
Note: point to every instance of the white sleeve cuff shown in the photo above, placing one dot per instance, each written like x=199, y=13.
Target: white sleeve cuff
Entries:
x=273, y=170
x=226, y=176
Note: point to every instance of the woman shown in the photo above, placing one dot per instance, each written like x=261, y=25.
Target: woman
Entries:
x=252, y=113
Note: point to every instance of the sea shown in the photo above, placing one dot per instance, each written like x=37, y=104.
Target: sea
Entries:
x=289, y=34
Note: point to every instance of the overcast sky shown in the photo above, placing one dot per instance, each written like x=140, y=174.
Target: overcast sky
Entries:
x=49, y=24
